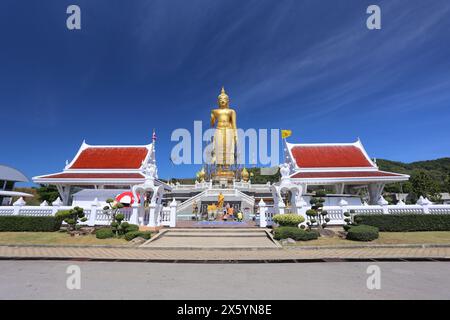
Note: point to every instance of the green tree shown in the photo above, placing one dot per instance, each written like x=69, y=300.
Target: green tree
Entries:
x=47, y=193
x=424, y=185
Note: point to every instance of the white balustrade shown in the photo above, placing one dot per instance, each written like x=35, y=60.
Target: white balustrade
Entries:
x=336, y=213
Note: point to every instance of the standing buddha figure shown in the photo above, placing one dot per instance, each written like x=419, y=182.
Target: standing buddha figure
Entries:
x=225, y=135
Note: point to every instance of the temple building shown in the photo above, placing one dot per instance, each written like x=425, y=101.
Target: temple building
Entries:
x=102, y=167
x=345, y=167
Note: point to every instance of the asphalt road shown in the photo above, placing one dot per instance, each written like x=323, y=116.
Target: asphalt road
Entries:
x=120, y=280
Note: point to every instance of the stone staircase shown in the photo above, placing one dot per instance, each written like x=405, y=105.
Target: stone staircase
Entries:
x=213, y=239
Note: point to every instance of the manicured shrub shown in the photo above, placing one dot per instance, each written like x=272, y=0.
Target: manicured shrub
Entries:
x=288, y=219
x=104, y=233
x=347, y=227
x=362, y=233
x=27, y=223
x=295, y=233
x=406, y=222
x=134, y=234
x=72, y=217
x=130, y=227
x=316, y=215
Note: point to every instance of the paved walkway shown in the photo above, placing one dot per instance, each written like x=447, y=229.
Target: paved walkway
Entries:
x=248, y=255
x=256, y=238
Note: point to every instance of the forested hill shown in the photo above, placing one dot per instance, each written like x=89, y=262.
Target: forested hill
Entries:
x=438, y=169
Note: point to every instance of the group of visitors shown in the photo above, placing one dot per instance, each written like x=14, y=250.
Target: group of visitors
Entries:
x=228, y=214
x=214, y=212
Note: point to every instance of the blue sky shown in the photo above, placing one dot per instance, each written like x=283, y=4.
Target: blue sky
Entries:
x=310, y=66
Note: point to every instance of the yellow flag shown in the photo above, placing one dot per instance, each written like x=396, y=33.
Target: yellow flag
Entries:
x=286, y=133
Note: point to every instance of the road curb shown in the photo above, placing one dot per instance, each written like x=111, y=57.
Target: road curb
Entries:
x=140, y=247
x=229, y=261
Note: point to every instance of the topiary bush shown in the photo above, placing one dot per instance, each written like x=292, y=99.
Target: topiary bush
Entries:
x=406, y=222
x=316, y=215
x=295, y=233
x=72, y=217
x=362, y=233
x=27, y=223
x=288, y=219
x=104, y=233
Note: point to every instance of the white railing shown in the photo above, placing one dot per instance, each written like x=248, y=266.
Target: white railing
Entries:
x=162, y=216
x=336, y=213
x=165, y=216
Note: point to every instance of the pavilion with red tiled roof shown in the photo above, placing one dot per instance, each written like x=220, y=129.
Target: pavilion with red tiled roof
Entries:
x=346, y=166
x=98, y=167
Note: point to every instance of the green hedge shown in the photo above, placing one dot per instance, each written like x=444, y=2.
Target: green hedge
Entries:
x=406, y=222
x=362, y=233
x=288, y=219
x=134, y=234
x=27, y=223
x=104, y=233
x=294, y=233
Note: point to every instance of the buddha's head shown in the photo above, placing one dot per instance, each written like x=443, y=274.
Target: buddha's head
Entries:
x=223, y=100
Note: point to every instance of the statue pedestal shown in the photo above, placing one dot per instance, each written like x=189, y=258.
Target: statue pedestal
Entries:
x=223, y=179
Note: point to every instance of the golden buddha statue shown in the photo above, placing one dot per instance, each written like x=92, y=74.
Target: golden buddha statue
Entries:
x=225, y=136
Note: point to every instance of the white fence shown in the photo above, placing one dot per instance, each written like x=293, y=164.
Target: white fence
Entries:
x=154, y=215
x=336, y=213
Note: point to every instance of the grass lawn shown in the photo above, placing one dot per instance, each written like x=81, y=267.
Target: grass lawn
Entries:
x=57, y=238
x=429, y=237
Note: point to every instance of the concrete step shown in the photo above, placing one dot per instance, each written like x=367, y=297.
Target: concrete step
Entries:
x=212, y=239
x=216, y=234
x=220, y=230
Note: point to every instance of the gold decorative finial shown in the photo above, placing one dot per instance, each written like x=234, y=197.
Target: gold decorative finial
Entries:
x=223, y=94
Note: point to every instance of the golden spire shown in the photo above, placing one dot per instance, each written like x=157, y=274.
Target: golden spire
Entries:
x=223, y=94
x=245, y=175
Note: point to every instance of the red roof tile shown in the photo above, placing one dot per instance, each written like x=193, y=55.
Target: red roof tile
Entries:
x=110, y=158
x=349, y=174
x=94, y=176
x=329, y=157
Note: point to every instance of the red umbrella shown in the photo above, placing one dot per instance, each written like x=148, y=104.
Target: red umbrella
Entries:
x=126, y=197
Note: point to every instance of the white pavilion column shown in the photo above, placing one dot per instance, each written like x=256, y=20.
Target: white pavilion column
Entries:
x=375, y=191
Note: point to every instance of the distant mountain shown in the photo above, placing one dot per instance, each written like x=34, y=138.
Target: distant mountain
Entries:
x=439, y=169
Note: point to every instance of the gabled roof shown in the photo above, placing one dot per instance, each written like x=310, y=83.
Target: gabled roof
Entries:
x=104, y=165
x=329, y=155
x=110, y=157
x=335, y=163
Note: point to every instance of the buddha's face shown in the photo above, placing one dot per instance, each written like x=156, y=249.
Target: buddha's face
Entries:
x=223, y=102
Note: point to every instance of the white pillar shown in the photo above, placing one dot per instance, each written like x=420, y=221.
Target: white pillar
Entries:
x=424, y=202
x=262, y=214
x=173, y=213
x=134, y=218
x=18, y=205
x=281, y=207
x=152, y=217
x=384, y=205
x=301, y=207
x=93, y=216
x=56, y=204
